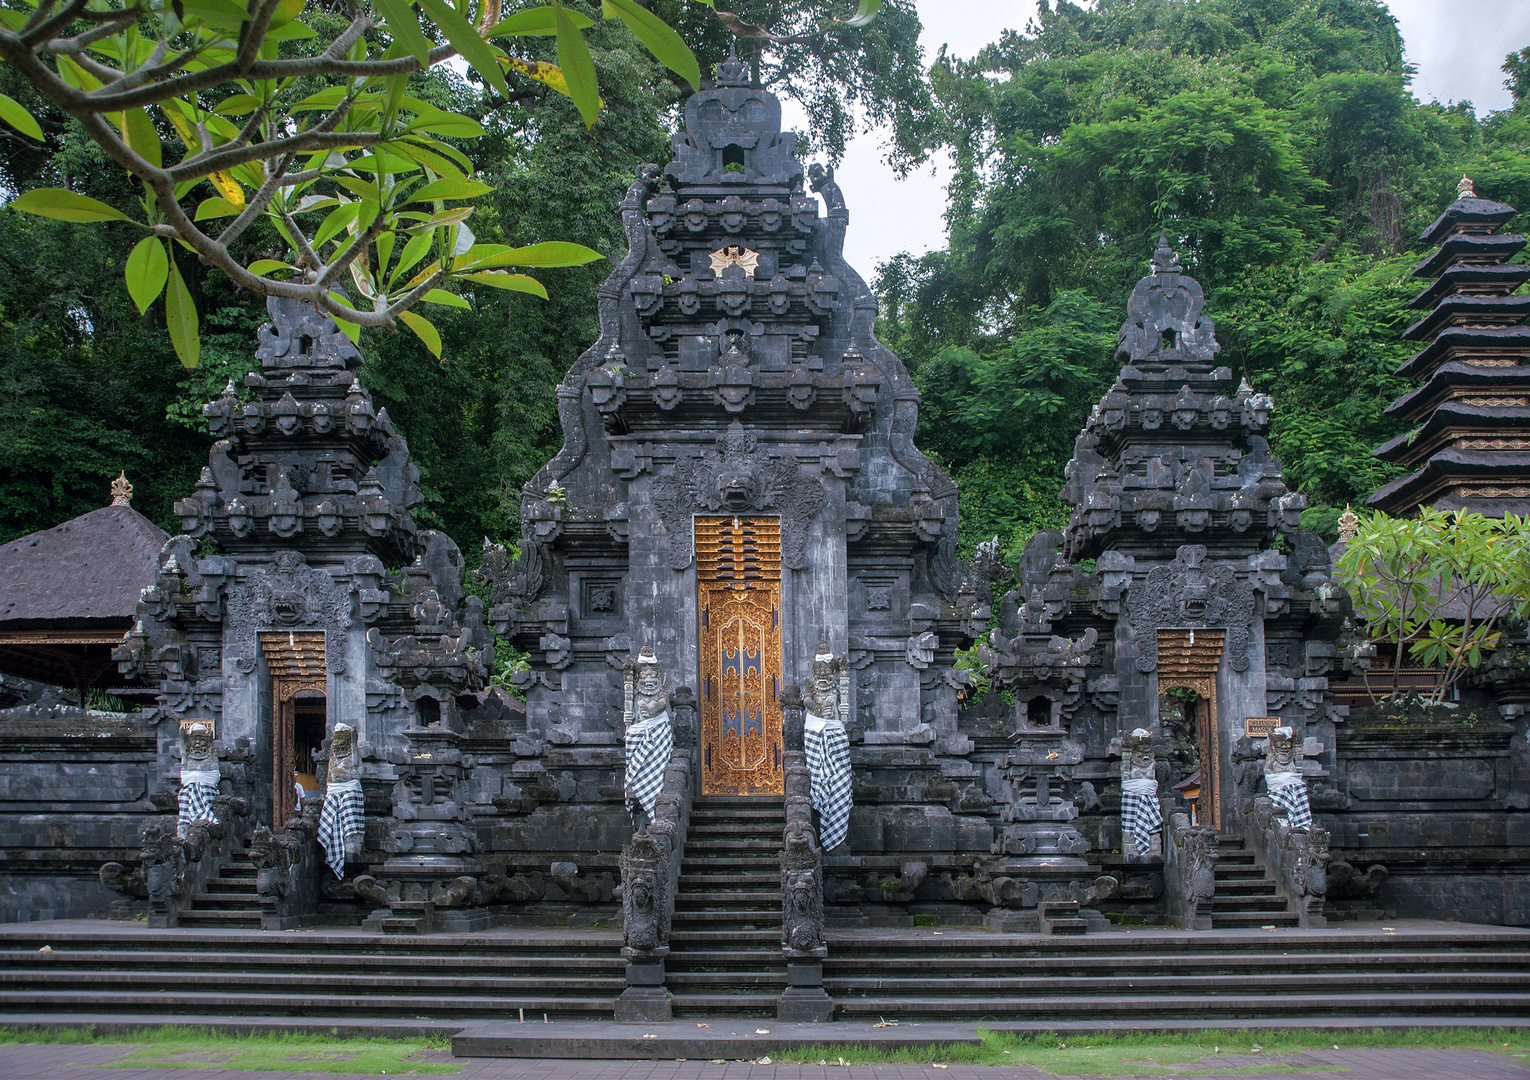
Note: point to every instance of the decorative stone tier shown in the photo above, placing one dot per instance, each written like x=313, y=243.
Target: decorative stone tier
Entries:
x=1470, y=446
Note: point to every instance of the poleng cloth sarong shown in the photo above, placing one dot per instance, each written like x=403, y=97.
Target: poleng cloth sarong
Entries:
x=648, y=747
x=1140, y=812
x=828, y=757
x=344, y=814
x=1289, y=792
x=199, y=787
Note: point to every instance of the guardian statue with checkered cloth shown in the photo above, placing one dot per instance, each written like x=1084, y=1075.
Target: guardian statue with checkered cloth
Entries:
x=342, y=822
x=1141, y=816
x=827, y=745
x=199, y=774
x=1283, y=778
x=649, y=736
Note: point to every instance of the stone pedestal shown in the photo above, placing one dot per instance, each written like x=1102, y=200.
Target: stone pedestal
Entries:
x=645, y=1000
x=804, y=1000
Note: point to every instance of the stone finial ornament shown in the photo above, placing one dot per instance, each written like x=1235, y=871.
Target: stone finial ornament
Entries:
x=122, y=491
x=1165, y=259
x=1349, y=524
x=1465, y=189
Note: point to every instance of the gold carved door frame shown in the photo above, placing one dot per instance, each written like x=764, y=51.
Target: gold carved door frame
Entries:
x=1190, y=659
x=738, y=582
x=296, y=664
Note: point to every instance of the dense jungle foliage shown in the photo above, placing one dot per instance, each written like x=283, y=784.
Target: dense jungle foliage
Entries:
x=1275, y=140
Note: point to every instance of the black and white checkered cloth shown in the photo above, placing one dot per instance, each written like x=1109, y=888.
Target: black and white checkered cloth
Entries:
x=828, y=758
x=1140, y=813
x=344, y=814
x=648, y=747
x=196, y=801
x=1289, y=792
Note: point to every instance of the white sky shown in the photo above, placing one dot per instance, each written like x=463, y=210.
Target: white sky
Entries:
x=1456, y=45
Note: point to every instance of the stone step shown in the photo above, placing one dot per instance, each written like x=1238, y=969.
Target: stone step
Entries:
x=1276, y=983
x=724, y=1004
x=554, y=984
x=727, y=846
x=1054, y=963
x=304, y=1002
x=746, y=979
x=702, y=882
x=1199, y=1007
x=1245, y=888
x=731, y=939
x=223, y=901
x=1226, y=920
x=1274, y=904
x=721, y=920
x=763, y=899
x=389, y=965
x=242, y=918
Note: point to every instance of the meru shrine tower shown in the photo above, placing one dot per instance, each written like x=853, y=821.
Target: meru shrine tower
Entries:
x=767, y=698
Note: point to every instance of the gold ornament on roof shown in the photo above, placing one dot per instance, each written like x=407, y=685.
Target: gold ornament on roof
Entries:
x=735, y=256
x=1464, y=189
x=122, y=491
x=1349, y=524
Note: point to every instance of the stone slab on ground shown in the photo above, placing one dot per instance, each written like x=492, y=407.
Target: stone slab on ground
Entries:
x=730, y=1038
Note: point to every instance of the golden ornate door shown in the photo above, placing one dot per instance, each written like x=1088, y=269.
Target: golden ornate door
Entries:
x=738, y=577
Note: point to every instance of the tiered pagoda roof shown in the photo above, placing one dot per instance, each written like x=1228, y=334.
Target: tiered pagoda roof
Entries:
x=1470, y=444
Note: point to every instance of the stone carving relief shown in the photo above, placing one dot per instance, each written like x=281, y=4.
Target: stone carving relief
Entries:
x=737, y=477
x=288, y=594
x=1187, y=593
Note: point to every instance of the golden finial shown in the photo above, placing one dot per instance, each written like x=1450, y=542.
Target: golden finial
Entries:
x=1464, y=189
x=1349, y=524
x=122, y=491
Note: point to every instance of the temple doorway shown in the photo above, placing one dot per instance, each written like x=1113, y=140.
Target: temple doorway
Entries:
x=738, y=578
x=299, y=718
x=1187, y=699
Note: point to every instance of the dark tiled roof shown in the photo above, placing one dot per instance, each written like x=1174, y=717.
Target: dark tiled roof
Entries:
x=87, y=570
x=1469, y=211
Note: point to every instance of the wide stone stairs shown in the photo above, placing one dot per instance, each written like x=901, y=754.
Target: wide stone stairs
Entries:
x=1156, y=975
x=1247, y=896
x=725, y=939
x=229, y=900
x=132, y=970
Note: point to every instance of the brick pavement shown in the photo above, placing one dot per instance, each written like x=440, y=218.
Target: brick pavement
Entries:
x=85, y=1063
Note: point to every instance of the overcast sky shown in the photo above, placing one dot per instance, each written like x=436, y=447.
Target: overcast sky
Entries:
x=1456, y=45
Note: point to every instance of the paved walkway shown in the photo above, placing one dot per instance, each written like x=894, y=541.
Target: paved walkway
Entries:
x=86, y=1062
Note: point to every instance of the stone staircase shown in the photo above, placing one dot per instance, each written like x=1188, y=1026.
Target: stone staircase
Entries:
x=129, y=970
x=229, y=901
x=1155, y=975
x=1247, y=896
x=725, y=939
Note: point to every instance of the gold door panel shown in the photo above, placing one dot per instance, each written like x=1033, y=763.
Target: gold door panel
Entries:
x=738, y=578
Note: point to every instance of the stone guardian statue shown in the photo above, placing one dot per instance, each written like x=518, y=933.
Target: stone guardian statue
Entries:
x=1283, y=778
x=649, y=735
x=342, y=822
x=1141, y=815
x=827, y=707
x=199, y=774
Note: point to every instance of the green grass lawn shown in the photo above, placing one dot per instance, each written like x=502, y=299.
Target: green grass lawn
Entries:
x=196, y=1048
x=1203, y=1053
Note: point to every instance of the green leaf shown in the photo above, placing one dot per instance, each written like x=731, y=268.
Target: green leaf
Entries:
x=466, y=41
x=865, y=13
x=66, y=206
x=147, y=268
x=656, y=35
x=238, y=105
x=217, y=207
x=538, y=20
x=181, y=320
x=514, y=282
x=16, y=116
x=404, y=25
x=437, y=163
x=547, y=254
x=441, y=296
x=293, y=31
x=262, y=267
x=445, y=123
x=577, y=67
x=424, y=330
x=338, y=219
x=349, y=329
x=450, y=188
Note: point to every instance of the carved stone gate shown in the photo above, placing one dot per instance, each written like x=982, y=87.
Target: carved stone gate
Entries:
x=738, y=578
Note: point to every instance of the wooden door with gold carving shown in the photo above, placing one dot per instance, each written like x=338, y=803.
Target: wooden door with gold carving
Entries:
x=738, y=578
